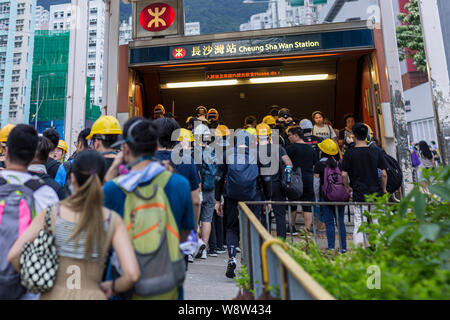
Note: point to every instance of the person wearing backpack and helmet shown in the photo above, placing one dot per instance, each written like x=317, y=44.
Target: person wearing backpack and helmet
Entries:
x=238, y=180
x=4, y=133
x=328, y=187
x=283, y=163
x=157, y=208
x=250, y=124
x=23, y=197
x=159, y=111
x=284, y=121
x=104, y=134
x=360, y=174
x=60, y=152
x=213, y=118
x=206, y=161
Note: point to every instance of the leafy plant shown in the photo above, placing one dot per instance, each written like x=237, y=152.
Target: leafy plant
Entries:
x=410, y=38
x=243, y=279
x=410, y=245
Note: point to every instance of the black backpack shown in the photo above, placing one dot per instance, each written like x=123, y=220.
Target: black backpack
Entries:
x=394, y=174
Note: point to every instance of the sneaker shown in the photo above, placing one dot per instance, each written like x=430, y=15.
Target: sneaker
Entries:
x=294, y=231
x=238, y=249
x=221, y=250
x=212, y=253
x=201, y=246
x=230, y=268
x=203, y=255
x=190, y=258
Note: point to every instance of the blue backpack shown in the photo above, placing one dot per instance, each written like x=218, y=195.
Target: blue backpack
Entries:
x=241, y=178
x=208, y=169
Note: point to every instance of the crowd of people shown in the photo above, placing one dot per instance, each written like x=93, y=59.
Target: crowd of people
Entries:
x=134, y=205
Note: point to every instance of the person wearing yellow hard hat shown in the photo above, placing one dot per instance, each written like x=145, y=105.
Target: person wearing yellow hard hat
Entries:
x=159, y=111
x=104, y=134
x=267, y=149
x=250, y=124
x=4, y=133
x=327, y=170
x=60, y=151
x=213, y=118
x=270, y=121
x=186, y=138
x=200, y=113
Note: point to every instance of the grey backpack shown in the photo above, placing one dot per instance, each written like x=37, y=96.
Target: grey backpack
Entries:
x=16, y=213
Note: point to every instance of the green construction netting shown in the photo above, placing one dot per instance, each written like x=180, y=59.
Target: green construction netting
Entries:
x=50, y=63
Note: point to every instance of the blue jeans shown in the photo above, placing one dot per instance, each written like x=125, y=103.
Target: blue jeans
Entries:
x=330, y=217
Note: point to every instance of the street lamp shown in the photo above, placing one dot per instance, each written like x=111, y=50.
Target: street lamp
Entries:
x=37, y=102
x=277, y=22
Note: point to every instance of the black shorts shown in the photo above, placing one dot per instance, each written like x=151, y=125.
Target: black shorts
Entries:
x=308, y=192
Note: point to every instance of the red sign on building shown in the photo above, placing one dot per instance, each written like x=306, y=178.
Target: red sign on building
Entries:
x=157, y=17
x=179, y=53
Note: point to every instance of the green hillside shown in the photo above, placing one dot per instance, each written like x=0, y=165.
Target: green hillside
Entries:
x=214, y=15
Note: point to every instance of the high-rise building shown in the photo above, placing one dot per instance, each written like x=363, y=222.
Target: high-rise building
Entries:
x=125, y=31
x=42, y=18
x=192, y=28
x=281, y=14
x=16, y=48
x=61, y=19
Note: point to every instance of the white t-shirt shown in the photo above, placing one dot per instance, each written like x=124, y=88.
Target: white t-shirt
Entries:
x=325, y=132
x=44, y=197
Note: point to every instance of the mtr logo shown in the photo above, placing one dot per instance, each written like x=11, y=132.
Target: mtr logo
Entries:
x=157, y=17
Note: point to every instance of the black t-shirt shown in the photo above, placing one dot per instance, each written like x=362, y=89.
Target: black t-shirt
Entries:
x=52, y=167
x=109, y=162
x=51, y=183
x=302, y=156
x=313, y=140
x=362, y=165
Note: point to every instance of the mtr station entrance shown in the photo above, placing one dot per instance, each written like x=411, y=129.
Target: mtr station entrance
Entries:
x=332, y=68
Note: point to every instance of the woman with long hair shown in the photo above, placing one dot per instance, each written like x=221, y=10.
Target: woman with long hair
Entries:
x=84, y=231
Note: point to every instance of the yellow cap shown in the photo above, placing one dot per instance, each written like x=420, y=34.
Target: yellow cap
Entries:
x=186, y=135
x=188, y=119
x=251, y=130
x=269, y=120
x=222, y=131
x=105, y=125
x=263, y=129
x=5, y=131
x=159, y=108
x=329, y=147
x=62, y=145
x=213, y=113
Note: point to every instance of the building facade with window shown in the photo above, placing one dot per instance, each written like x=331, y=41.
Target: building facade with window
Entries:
x=17, y=23
x=42, y=18
x=61, y=19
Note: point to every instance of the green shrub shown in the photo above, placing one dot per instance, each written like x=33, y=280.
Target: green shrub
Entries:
x=410, y=244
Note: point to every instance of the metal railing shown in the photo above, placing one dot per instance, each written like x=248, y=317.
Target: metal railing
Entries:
x=281, y=270
x=270, y=265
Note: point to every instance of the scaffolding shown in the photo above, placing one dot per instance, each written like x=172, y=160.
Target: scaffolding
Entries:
x=50, y=62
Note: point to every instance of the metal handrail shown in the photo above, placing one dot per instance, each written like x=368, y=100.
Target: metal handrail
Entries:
x=290, y=270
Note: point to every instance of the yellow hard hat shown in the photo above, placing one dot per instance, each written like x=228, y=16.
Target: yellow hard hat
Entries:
x=186, y=135
x=105, y=125
x=222, y=131
x=269, y=120
x=62, y=145
x=329, y=147
x=188, y=119
x=159, y=110
x=369, y=138
x=263, y=129
x=251, y=130
x=4, y=133
x=212, y=114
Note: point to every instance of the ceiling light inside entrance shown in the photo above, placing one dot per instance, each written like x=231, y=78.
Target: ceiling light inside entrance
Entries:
x=196, y=84
x=312, y=77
